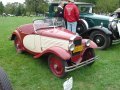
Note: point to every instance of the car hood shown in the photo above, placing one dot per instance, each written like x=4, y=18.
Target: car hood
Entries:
x=60, y=33
x=96, y=16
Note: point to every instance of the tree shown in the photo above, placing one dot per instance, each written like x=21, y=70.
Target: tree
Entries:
x=104, y=6
x=36, y=6
x=109, y=6
x=10, y=8
x=89, y=1
x=20, y=10
x=15, y=8
x=1, y=8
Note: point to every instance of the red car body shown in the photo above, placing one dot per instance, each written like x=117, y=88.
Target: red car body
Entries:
x=66, y=51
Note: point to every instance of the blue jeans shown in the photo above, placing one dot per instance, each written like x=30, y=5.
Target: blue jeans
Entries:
x=72, y=26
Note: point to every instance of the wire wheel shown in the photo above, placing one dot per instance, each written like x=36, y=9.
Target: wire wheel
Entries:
x=101, y=39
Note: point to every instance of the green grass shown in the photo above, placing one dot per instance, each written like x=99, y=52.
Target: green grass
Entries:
x=27, y=73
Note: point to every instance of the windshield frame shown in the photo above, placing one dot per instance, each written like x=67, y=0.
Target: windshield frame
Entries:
x=39, y=24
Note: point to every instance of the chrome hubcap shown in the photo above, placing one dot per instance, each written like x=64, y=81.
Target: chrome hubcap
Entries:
x=55, y=66
x=98, y=40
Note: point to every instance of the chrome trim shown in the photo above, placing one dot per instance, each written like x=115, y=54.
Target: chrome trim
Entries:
x=88, y=42
x=116, y=41
x=118, y=26
x=76, y=66
x=73, y=37
x=70, y=46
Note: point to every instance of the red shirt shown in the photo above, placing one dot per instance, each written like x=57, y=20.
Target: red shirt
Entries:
x=71, y=12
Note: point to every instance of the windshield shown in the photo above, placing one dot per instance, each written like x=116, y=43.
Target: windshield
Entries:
x=47, y=23
x=85, y=9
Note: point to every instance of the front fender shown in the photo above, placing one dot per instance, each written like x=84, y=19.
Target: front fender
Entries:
x=92, y=44
x=99, y=28
x=60, y=52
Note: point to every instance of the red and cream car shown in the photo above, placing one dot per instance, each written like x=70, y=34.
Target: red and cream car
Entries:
x=66, y=51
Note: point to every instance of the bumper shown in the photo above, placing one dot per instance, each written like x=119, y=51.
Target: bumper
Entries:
x=76, y=66
x=116, y=41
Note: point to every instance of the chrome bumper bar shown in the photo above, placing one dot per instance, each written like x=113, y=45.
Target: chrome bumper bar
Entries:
x=76, y=66
x=116, y=41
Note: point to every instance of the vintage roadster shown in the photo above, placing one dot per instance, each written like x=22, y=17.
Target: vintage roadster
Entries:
x=103, y=30
x=66, y=51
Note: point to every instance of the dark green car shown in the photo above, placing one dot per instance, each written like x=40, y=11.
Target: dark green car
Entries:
x=103, y=30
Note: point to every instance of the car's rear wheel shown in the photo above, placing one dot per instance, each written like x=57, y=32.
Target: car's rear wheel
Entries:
x=101, y=39
x=18, y=45
x=57, y=66
x=88, y=54
x=4, y=81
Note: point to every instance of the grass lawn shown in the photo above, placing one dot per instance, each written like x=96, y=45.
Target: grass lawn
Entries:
x=27, y=73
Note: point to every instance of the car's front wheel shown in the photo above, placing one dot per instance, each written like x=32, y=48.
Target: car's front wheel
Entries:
x=88, y=54
x=17, y=44
x=57, y=66
x=101, y=39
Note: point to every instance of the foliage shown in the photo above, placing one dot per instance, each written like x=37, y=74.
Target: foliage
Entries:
x=109, y=6
x=104, y=6
x=89, y=1
x=1, y=8
x=37, y=6
x=15, y=9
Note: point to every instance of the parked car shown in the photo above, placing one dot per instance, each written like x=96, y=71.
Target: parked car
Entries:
x=103, y=30
x=5, y=84
x=66, y=51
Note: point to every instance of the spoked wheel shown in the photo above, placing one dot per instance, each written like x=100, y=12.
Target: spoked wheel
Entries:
x=17, y=44
x=101, y=39
x=89, y=53
x=4, y=81
x=57, y=66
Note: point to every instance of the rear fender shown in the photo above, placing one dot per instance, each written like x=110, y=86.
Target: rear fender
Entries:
x=14, y=34
x=60, y=52
x=92, y=44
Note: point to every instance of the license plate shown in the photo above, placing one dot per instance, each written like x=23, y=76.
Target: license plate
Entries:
x=78, y=49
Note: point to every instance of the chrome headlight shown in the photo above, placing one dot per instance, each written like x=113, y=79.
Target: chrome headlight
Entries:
x=71, y=46
x=73, y=37
x=111, y=19
x=88, y=43
x=114, y=24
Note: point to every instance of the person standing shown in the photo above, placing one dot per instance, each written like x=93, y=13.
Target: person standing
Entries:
x=59, y=12
x=71, y=15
